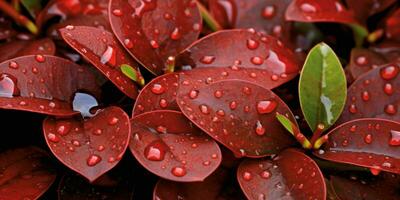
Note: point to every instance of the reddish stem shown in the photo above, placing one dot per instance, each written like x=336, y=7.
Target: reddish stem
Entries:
x=20, y=19
x=317, y=133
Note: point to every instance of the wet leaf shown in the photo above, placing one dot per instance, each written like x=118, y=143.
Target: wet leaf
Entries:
x=238, y=114
x=168, y=145
x=23, y=48
x=43, y=84
x=91, y=146
x=392, y=25
x=102, y=49
x=244, y=49
x=291, y=174
x=322, y=87
x=152, y=31
x=364, y=60
x=371, y=143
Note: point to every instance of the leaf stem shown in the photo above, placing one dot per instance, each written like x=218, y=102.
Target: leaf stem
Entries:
x=170, y=64
x=208, y=18
x=317, y=133
x=20, y=19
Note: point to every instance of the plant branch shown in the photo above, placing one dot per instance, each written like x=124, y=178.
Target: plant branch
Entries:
x=20, y=19
x=208, y=18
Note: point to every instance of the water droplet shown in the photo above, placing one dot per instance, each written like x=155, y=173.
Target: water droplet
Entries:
x=8, y=86
x=13, y=65
x=207, y=59
x=257, y=60
x=252, y=44
x=163, y=103
x=353, y=128
x=176, y=34
x=113, y=121
x=117, y=12
x=247, y=176
x=361, y=60
x=76, y=143
x=308, y=8
x=128, y=43
x=154, y=44
x=157, y=89
x=260, y=130
x=365, y=96
x=155, y=151
x=53, y=137
x=204, y=109
x=93, y=160
x=221, y=113
x=268, y=11
x=391, y=109
x=375, y=170
x=100, y=148
x=193, y=94
x=265, y=174
x=109, y=56
x=206, y=163
x=353, y=108
x=178, y=171
x=394, y=138
x=161, y=129
x=389, y=72
x=63, y=128
x=266, y=107
x=218, y=94
x=388, y=89
x=368, y=139
x=39, y=58
x=233, y=105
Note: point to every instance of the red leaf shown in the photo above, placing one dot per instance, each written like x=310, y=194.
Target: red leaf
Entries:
x=392, y=26
x=267, y=16
x=371, y=143
x=25, y=173
x=92, y=146
x=102, y=49
x=374, y=95
x=319, y=11
x=238, y=114
x=21, y=48
x=43, y=84
x=364, y=60
x=213, y=187
x=355, y=189
x=291, y=175
x=71, y=8
x=242, y=48
x=154, y=30
x=6, y=30
x=168, y=145
x=159, y=94
x=76, y=188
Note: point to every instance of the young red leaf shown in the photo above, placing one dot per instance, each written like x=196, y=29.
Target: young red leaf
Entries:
x=72, y=187
x=291, y=174
x=102, y=49
x=22, y=48
x=26, y=173
x=266, y=16
x=374, y=95
x=213, y=187
x=392, y=26
x=384, y=187
x=242, y=48
x=238, y=114
x=168, y=145
x=159, y=94
x=43, y=84
x=362, y=61
x=91, y=146
x=371, y=143
x=154, y=30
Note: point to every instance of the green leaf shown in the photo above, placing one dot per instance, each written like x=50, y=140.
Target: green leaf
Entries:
x=131, y=73
x=359, y=34
x=322, y=87
x=294, y=130
x=32, y=6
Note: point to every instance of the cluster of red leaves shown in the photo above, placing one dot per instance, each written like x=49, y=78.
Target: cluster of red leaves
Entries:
x=212, y=119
